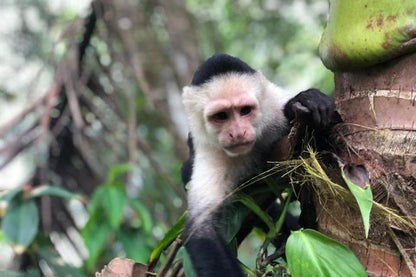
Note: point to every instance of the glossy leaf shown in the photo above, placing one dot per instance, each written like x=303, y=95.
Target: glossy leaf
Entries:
x=364, y=198
x=230, y=222
x=170, y=236
x=187, y=263
x=52, y=191
x=136, y=244
x=31, y=273
x=10, y=194
x=116, y=172
x=20, y=224
x=95, y=236
x=251, y=204
x=95, y=203
x=114, y=201
x=144, y=214
x=310, y=253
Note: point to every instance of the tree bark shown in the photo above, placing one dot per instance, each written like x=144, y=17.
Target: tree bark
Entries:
x=378, y=109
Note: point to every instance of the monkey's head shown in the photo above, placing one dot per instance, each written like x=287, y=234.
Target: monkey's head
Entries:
x=224, y=112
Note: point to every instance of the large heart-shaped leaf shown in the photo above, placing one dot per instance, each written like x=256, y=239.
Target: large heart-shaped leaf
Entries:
x=310, y=253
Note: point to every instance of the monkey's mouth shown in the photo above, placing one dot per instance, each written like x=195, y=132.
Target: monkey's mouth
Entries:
x=240, y=146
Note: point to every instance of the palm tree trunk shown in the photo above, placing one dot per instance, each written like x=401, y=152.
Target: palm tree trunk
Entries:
x=378, y=109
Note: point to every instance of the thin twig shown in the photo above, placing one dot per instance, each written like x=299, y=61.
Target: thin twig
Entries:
x=175, y=269
x=18, y=144
x=170, y=257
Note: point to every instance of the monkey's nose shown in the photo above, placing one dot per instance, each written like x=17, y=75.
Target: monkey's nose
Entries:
x=238, y=135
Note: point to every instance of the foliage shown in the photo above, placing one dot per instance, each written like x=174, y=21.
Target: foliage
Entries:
x=364, y=197
x=108, y=225
x=20, y=224
x=167, y=240
x=310, y=253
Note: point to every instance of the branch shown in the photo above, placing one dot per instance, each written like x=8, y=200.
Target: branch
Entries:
x=18, y=144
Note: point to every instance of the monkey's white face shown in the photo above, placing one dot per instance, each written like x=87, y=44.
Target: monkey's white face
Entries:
x=231, y=115
x=233, y=126
x=225, y=113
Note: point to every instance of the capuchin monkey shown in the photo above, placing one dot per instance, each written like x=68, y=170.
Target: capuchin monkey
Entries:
x=235, y=116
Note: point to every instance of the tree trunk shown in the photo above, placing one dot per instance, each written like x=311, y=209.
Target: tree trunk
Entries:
x=378, y=109
x=370, y=46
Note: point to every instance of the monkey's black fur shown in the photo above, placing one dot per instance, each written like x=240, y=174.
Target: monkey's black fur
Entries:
x=208, y=250
x=186, y=170
x=219, y=64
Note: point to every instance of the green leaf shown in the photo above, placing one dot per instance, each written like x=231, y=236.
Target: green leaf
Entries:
x=30, y=273
x=187, y=263
x=52, y=191
x=310, y=253
x=54, y=261
x=95, y=204
x=144, y=214
x=364, y=198
x=114, y=201
x=116, y=172
x=251, y=204
x=230, y=222
x=247, y=271
x=95, y=236
x=10, y=194
x=170, y=236
x=21, y=223
x=283, y=213
x=135, y=244
x=6, y=273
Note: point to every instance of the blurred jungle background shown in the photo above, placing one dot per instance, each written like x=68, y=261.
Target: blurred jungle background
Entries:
x=92, y=129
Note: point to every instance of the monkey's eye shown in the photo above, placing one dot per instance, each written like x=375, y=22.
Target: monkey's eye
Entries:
x=246, y=110
x=220, y=116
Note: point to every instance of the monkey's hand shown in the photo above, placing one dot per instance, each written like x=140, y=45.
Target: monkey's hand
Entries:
x=312, y=106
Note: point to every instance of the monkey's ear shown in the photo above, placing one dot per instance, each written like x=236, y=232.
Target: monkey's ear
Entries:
x=187, y=90
x=262, y=81
x=261, y=77
x=191, y=97
x=188, y=93
x=192, y=92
